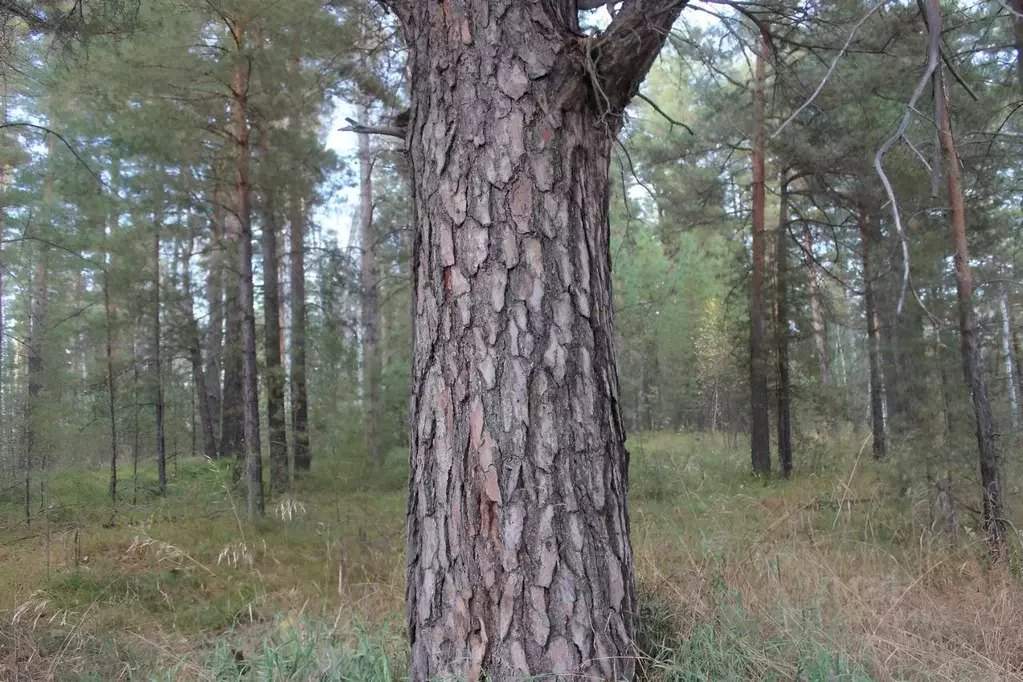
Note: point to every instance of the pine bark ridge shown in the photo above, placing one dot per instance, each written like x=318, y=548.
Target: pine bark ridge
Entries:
x=516, y=428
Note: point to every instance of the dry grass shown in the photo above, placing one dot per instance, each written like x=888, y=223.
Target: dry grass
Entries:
x=835, y=575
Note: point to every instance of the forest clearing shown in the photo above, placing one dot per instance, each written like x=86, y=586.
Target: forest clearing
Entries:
x=838, y=574
x=505, y=340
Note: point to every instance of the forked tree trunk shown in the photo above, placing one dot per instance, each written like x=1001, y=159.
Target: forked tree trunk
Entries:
x=299, y=392
x=973, y=364
x=782, y=332
x=240, y=232
x=760, y=427
x=370, y=360
x=877, y=416
x=274, y=374
x=518, y=534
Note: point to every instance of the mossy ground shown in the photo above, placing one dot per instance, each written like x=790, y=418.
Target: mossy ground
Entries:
x=833, y=575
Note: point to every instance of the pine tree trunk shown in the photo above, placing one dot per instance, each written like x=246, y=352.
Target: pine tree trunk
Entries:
x=274, y=375
x=199, y=378
x=161, y=442
x=299, y=392
x=877, y=416
x=760, y=436
x=1017, y=29
x=37, y=304
x=240, y=232
x=820, y=339
x=519, y=557
x=371, y=365
x=782, y=331
x=1017, y=356
x=109, y=310
x=973, y=364
x=135, y=397
x=232, y=436
x=215, y=301
x=37, y=327
x=1010, y=374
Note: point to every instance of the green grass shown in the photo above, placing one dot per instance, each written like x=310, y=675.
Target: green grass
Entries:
x=739, y=577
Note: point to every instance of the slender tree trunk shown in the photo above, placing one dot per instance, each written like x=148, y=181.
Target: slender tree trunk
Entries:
x=199, y=378
x=232, y=438
x=215, y=301
x=110, y=311
x=877, y=415
x=135, y=399
x=37, y=304
x=1016, y=357
x=1017, y=29
x=371, y=365
x=240, y=232
x=973, y=364
x=519, y=559
x=760, y=437
x=37, y=328
x=274, y=376
x=299, y=392
x=782, y=331
x=820, y=339
x=161, y=441
x=1010, y=373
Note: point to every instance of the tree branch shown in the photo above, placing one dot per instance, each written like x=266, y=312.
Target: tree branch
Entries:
x=831, y=69
x=624, y=53
x=356, y=127
x=672, y=122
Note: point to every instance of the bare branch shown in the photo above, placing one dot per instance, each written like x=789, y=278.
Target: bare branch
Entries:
x=933, y=60
x=831, y=69
x=660, y=111
x=390, y=131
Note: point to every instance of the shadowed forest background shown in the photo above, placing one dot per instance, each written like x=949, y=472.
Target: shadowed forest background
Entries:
x=207, y=319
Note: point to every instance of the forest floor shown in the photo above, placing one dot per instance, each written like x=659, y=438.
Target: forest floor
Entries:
x=834, y=575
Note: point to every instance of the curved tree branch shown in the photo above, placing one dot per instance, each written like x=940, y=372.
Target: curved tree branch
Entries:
x=624, y=53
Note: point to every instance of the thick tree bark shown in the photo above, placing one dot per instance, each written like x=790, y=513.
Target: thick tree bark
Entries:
x=760, y=435
x=1010, y=374
x=973, y=364
x=161, y=442
x=782, y=332
x=274, y=375
x=240, y=232
x=877, y=416
x=519, y=556
x=299, y=392
x=370, y=361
